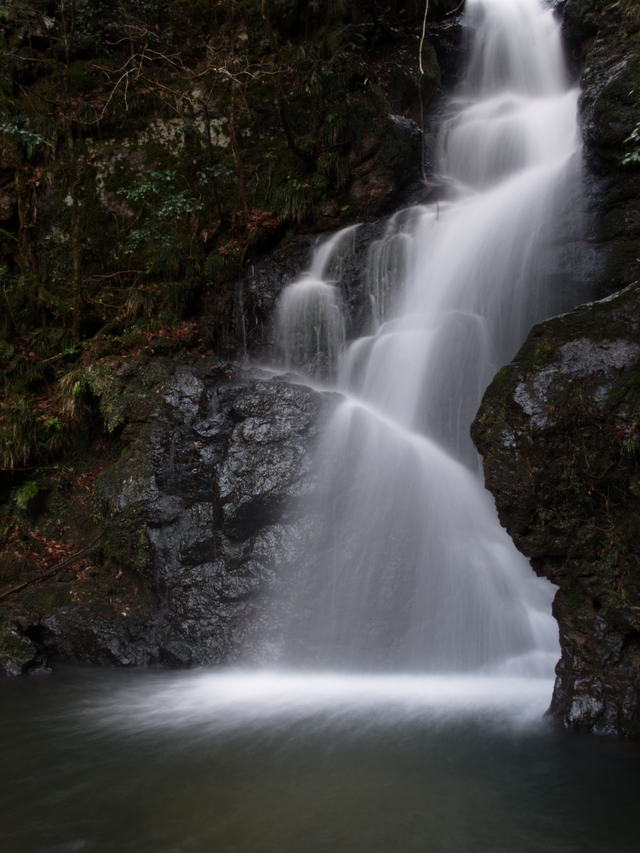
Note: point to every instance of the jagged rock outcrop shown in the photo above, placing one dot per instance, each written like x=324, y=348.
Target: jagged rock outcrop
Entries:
x=201, y=518
x=261, y=284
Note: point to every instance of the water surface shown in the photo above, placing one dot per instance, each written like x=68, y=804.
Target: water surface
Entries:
x=276, y=762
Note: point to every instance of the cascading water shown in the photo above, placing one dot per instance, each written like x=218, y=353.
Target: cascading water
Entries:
x=410, y=567
x=310, y=317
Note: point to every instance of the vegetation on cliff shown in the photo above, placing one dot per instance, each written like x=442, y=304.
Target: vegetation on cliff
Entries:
x=149, y=153
x=149, y=150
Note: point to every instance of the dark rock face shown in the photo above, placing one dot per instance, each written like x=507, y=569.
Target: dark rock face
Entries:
x=201, y=521
x=605, y=39
x=559, y=430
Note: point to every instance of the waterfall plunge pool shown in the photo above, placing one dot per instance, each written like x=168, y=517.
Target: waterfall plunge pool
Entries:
x=237, y=761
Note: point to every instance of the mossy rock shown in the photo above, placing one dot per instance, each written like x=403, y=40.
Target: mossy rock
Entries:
x=559, y=433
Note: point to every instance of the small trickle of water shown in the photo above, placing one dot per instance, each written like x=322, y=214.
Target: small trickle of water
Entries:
x=311, y=326
x=410, y=567
x=310, y=320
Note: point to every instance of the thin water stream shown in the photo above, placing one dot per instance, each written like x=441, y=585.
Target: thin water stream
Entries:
x=414, y=719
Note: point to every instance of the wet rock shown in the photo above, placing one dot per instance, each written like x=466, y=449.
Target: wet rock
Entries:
x=261, y=285
x=386, y=161
x=605, y=42
x=17, y=653
x=191, y=505
x=202, y=517
x=176, y=654
x=559, y=430
x=82, y=635
x=263, y=282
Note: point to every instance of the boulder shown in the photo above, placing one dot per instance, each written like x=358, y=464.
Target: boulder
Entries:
x=559, y=430
x=201, y=520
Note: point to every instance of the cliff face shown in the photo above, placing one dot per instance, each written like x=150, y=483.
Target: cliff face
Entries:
x=558, y=428
x=151, y=153
x=149, y=150
x=191, y=481
x=165, y=170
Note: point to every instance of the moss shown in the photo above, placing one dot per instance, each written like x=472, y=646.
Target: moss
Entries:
x=125, y=539
x=13, y=644
x=364, y=111
x=493, y=410
x=573, y=597
x=503, y=378
x=46, y=599
x=535, y=353
x=141, y=271
x=614, y=109
x=122, y=513
x=82, y=77
x=134, y=340
x=629, y=388
x=160, y=154
x=102, y=381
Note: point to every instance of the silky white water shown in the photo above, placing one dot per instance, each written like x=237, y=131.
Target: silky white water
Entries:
x=252, y=701
x=310, y=314
x=410, y=568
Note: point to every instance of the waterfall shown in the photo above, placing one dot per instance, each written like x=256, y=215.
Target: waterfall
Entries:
x=409, y=567
x=310, y=318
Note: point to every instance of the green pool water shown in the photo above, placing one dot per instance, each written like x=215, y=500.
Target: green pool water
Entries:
x=254, y=762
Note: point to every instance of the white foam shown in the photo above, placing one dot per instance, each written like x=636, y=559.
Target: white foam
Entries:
x=247, y=699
